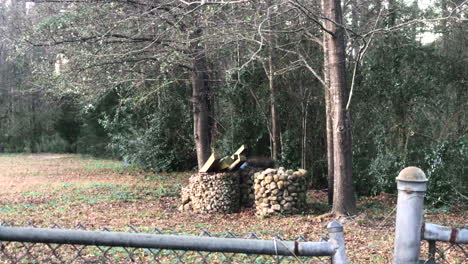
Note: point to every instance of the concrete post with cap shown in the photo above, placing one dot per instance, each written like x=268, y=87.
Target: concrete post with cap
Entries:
x=336, y=237
x=412, y=186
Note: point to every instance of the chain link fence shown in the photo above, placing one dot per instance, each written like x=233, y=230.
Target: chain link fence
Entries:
x=446, y=253
x=35, y=252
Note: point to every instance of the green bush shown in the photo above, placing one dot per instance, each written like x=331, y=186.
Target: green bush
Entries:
x=52, y=144
x=445, y=165
x=291, y=152
x=158, y=136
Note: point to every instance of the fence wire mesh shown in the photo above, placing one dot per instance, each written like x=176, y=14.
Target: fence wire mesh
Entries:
x=446, y=253
x=21, y=252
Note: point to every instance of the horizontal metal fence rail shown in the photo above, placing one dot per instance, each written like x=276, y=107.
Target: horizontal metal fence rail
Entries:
x=55, y=245
x=456, y=238
x=175, y=242
x=433, y=232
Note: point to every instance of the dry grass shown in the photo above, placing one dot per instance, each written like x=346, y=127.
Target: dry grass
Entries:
x=68, y=189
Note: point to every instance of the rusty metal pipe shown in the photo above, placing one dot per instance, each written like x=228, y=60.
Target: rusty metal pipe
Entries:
x=433, y=232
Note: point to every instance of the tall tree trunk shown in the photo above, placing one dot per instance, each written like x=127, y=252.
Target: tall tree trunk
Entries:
x=304, y=144
x=328, y=118
x=344, y=202
x=305, y=94
x=275, y=135
x=202, y=118
x=275, y=124
x=34, y=131
x=329, y=131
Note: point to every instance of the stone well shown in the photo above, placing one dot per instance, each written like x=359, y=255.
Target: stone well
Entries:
x=246, y=185
x=212, y=193
x=279, y=191
x=272, y=191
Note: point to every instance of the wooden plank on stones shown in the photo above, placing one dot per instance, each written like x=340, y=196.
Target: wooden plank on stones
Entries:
x=239, y=151
x=239, y=160
x=225, y=162
x=212, y=163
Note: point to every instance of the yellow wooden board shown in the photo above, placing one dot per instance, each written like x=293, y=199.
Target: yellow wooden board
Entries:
x=225, y=163
x=211, y=163
x=240, y=151
x=237, y=162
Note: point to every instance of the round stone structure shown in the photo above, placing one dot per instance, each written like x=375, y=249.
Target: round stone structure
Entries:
x=211, y=193
x=279, y=191
x=246, y=186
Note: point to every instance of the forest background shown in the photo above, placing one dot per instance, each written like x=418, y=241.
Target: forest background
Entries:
x=162, y=84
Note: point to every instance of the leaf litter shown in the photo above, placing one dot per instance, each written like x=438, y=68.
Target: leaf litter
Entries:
x=67, y=190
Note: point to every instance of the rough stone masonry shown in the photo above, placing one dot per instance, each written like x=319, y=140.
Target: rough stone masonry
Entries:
x=280, y=191
x=272, y=191
x=211, y=193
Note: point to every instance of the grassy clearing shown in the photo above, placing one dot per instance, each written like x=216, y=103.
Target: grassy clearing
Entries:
x=68, y=190
x=9, y=155
x=96, y=164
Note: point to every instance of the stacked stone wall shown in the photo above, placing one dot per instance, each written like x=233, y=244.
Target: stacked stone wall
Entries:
x=212, y=193
x=246, y=185
x=272, y=191
x=279, y=191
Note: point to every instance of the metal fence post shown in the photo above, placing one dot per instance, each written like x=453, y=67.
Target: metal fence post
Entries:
x=432, y=252
x=411, y=185
x=336, y=238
